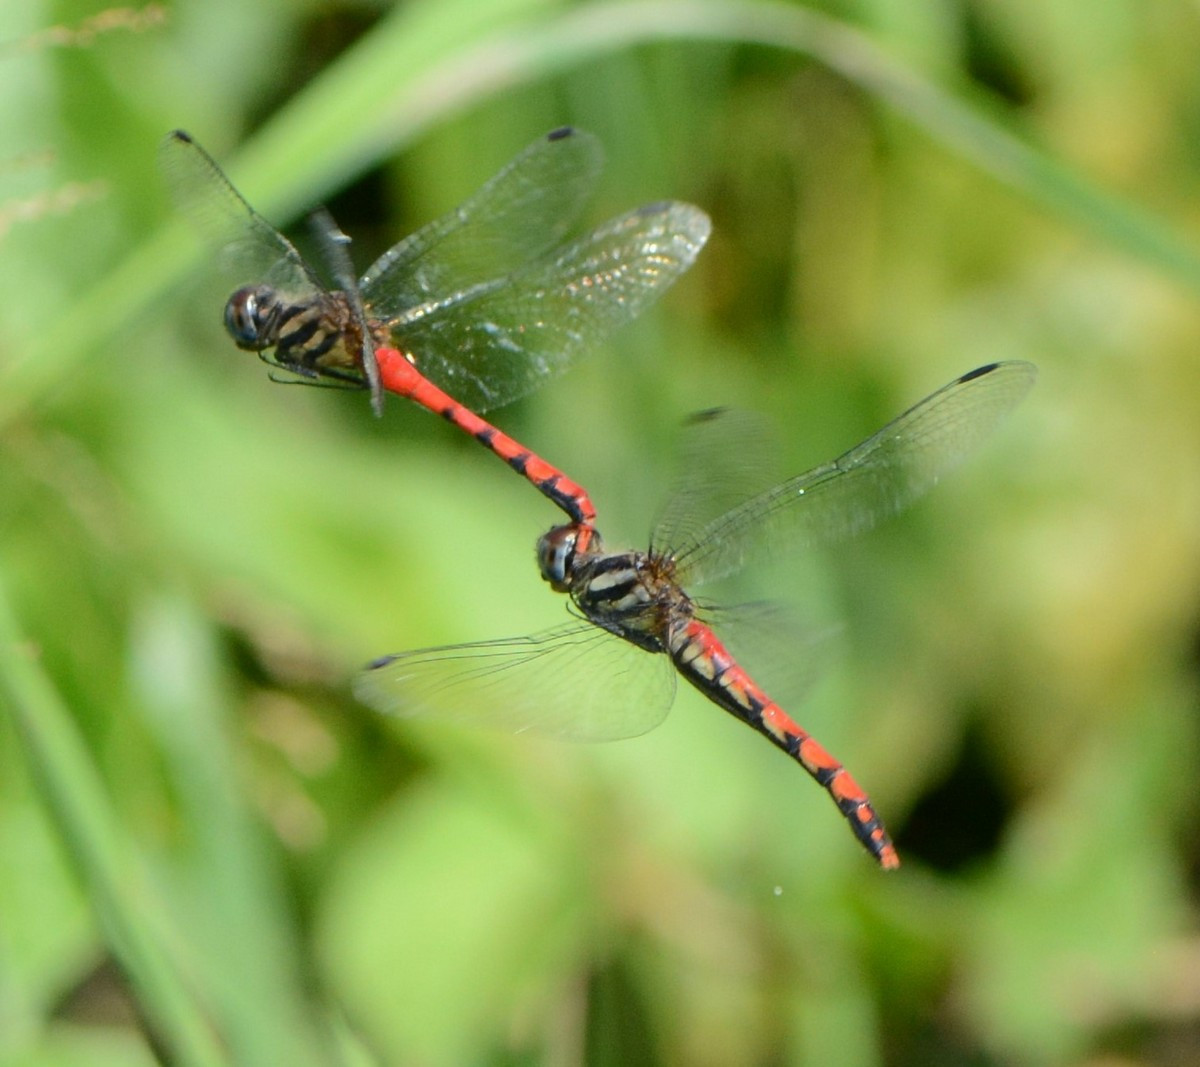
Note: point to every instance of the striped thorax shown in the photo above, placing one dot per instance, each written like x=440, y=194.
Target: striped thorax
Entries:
x=315, y=334
x=630, y=594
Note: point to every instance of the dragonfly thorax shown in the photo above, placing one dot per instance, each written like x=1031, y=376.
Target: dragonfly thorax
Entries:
x=313, y=335
x=630, y=594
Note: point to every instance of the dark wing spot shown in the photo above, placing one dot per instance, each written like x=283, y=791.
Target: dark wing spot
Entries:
x=979, y=372
x=382, y=661
x=708, y=415
x=655, y=208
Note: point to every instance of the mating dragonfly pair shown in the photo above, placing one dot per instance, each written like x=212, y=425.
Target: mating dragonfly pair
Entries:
x=478, y=308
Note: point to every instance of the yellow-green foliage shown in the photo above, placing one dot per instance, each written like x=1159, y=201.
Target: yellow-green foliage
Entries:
x=195, y=815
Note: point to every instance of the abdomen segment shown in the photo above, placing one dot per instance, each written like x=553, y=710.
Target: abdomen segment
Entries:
x=701, y=658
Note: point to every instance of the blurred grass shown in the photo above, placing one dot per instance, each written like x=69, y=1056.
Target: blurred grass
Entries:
x=127, y=912
x=196, y=560
x=426, y=63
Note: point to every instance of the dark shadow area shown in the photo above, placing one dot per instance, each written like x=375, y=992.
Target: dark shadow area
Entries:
x=960, y=820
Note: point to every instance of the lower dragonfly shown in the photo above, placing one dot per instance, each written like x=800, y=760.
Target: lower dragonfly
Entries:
x=485, y=303
x=544, y=683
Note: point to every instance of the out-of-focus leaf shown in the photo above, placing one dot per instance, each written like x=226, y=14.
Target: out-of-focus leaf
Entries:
x=448, y=918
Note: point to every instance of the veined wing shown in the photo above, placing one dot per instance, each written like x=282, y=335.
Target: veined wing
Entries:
x=498, y=341
x=785, y=654
x=250, y=250
x=335, y=245
x=723, y=457
x=873, y=480
x=575, y=681
x=522, y=212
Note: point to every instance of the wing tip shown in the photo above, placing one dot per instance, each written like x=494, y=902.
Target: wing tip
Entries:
x=370, y=688
x=978, y=372
x=378, y=664
x=681, y=218
x=707, y=415
x=1016, y=366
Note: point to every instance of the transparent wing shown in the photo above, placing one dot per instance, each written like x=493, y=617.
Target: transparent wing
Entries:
x=522, y=212
x=873, y=480
x=336, y=247
x=723, y=457
x=249, y=249
x=576, y=681
x=785, y=654
x=498, y=341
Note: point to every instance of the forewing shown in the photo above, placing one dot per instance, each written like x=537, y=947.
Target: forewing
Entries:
x=873, y=480
x=249, y=249
x=502, y=339
x=336, y=247
x=574, y=682
x=519, y=214
x=723, y=457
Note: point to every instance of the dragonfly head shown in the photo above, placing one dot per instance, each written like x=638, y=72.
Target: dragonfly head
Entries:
x=557, y=554
x=252, y=317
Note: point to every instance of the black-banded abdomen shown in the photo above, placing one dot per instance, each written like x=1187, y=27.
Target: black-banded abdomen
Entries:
x=703, y=660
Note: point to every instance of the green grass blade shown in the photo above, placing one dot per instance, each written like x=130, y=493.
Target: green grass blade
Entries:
x=231, y=902
x=967, y=126
x=415, y=69
x=127, y=909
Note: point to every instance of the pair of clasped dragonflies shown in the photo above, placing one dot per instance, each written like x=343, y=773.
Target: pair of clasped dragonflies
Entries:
x=478, y=308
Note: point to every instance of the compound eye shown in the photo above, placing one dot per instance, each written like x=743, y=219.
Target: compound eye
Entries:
x=556, y=556
x=244, y=320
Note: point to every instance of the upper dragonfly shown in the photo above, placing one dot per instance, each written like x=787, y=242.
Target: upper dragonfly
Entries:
x=485, y=303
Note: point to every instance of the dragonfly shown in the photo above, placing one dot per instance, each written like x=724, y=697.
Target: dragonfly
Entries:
x=630, y=603
x=473, y=310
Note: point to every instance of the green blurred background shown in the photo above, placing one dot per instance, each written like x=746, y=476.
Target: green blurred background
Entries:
x=210, y=854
